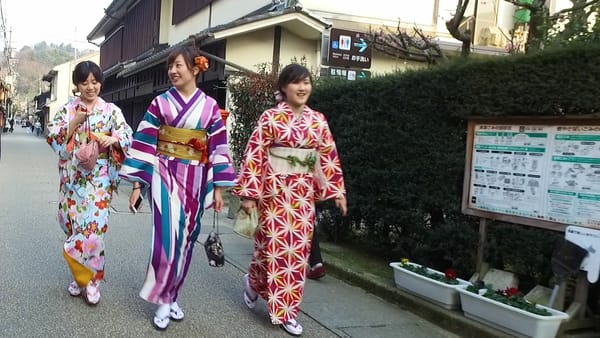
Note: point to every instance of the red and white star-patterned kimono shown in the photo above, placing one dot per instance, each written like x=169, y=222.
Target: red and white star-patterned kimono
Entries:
x=286, y=203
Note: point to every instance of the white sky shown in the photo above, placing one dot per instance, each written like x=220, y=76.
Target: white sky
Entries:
x=53, y=21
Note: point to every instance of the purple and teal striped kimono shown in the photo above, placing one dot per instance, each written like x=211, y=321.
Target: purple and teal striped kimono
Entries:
x=178, y=190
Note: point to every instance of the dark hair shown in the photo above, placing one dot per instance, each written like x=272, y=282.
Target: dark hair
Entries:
x=188, y=54
x=83, y=70
x=292, y=73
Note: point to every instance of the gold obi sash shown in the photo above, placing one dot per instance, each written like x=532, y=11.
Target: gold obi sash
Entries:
x=186, y=144
x=286, y=160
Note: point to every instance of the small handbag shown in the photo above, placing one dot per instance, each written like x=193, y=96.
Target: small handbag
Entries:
x=245, y=224
x=87, y=154
x=213, y=245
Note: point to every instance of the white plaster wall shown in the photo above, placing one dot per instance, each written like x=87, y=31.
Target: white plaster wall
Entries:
x=252, y=49
x=412, y=11
x=222, y=12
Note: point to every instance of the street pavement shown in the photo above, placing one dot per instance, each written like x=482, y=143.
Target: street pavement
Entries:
x=33, y=279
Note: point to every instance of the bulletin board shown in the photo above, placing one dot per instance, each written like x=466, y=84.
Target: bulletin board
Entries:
x=537, y=172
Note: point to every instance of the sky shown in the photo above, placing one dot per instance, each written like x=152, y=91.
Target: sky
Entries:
x=58, y=21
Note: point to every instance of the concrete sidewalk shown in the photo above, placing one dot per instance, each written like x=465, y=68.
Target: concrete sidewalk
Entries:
x=350, y=303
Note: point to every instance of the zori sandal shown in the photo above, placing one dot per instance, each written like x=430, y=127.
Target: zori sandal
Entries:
x=161, y=317
x=92, y=293
x=292, y=327
x=176, y=312
x=74, y=289
x=250, y=296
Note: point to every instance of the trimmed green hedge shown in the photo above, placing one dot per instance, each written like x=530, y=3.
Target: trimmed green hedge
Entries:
x=401, y=140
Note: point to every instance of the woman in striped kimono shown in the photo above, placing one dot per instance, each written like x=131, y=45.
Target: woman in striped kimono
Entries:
x=179, y=160
x=290, y=162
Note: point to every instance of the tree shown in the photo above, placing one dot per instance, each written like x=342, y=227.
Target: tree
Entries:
x=546, y=29
x=402, y=45
x=461, y=29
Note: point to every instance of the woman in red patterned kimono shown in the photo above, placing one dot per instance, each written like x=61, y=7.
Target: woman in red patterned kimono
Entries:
x=290, y=162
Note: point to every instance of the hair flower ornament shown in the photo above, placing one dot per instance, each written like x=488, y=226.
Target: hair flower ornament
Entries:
x=201, y=62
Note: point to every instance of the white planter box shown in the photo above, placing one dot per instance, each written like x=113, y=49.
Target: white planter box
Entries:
x=510, y=319
x=440, y=293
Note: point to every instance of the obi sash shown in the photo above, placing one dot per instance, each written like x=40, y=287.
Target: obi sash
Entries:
x=182, y=143
x=286, y=160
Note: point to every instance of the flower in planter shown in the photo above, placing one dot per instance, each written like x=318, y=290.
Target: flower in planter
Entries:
x=449, y=276
x=509, y=296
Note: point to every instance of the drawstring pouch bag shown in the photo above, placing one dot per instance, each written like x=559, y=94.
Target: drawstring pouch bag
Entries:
x=87, y=155
x=213, y=245
x=245, y=224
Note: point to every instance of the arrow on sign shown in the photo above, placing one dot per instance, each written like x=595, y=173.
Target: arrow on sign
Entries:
x=362, y=75
x=362, y=45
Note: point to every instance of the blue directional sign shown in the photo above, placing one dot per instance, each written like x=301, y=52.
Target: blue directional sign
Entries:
x=349, y=49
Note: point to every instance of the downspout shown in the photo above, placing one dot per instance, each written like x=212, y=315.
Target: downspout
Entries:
x=276, y=49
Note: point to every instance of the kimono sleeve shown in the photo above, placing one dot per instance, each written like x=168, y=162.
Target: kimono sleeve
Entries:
x=220, y=170
x=57, y=133
x=250, y=181
x=329, y=182
x=141, y=155
x=120, y=129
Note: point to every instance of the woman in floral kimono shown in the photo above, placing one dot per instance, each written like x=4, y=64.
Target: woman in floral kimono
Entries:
x=290, y=162
x=85, y=195
x=180, y=161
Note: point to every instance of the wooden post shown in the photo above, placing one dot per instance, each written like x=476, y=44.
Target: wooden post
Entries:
x=481, y=246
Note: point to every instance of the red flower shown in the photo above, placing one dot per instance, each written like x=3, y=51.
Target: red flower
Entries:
x=197, y=144
x=450, y=274
x=99, y=276
x=70, y=202
x=102, y=204
x=509, y=292
x=79, y=246
x=201, y=62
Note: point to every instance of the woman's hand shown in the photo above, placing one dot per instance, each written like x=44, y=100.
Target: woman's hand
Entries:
x=107, y=141
x=248, y=205
x=81, y=113
x=341, y=204
x=218, y=199
x=133, y=197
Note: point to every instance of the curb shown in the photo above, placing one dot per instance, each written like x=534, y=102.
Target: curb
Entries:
x=451, y=320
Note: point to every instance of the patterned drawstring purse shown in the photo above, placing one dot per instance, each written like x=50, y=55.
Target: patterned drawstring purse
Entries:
x=213, y=245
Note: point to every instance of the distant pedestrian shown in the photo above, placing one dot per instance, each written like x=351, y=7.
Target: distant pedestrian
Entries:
x=85, y=195
x=37, y=126
x=179, y=159
x=11, y=123
x=290, y=162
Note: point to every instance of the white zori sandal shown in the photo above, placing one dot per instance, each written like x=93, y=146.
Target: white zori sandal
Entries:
x=250, y=296
x=74, y=289
x=176, y=312
x=162, y=317
x=292, y=327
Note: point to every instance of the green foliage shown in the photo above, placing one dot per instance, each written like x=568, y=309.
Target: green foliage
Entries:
x=515, y=300
x=251, y=95
x=34, y=62
x=401, y=140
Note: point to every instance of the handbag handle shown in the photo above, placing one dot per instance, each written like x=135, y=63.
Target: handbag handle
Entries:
x=215, y=221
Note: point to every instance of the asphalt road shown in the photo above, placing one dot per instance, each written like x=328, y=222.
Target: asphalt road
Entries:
x=33, y=281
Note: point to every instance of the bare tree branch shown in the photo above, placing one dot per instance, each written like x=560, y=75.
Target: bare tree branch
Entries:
x=400, y=44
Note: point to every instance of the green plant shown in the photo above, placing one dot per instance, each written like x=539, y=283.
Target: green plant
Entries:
x=509, y=296
x=251, y=94
x=448, y=277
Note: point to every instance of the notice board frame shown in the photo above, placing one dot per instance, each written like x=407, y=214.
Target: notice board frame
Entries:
x=590, y=120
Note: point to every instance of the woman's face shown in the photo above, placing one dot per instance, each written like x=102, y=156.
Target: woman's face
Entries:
x=297, y=93
x=89, y=89
x=180, y=74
